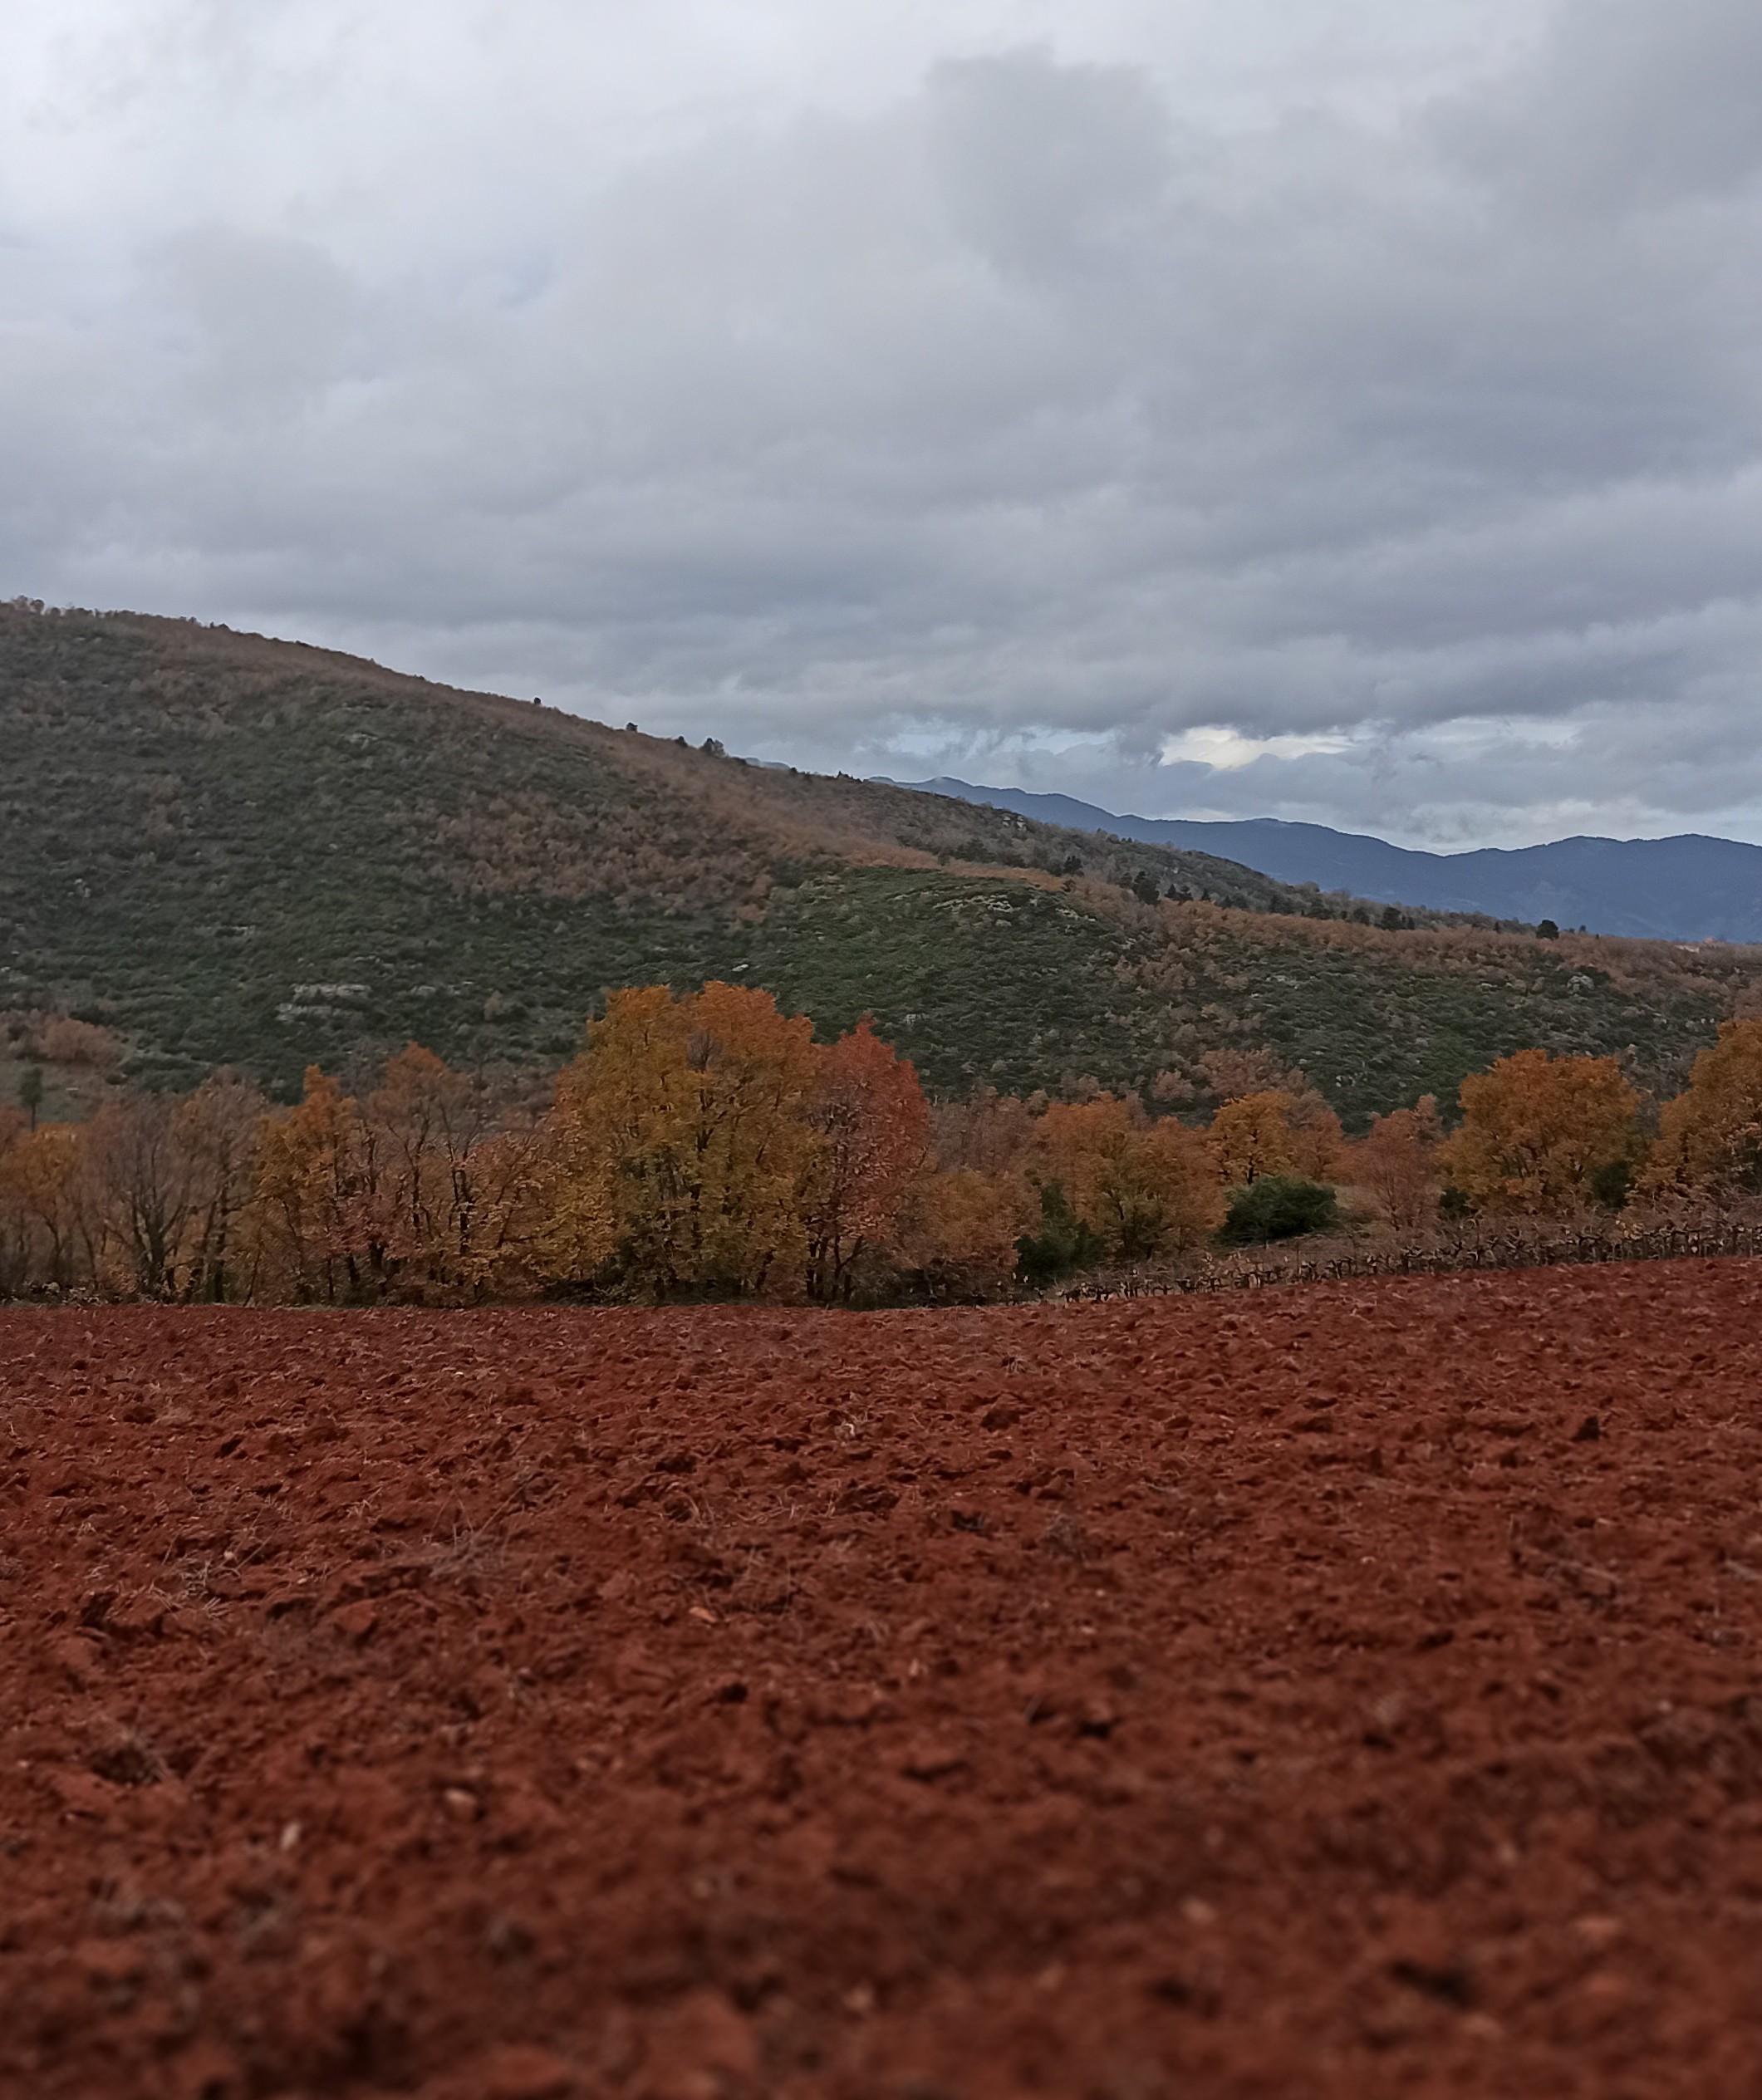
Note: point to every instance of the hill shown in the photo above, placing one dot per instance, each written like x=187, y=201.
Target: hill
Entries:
x=1684, y=888
x=230, y=850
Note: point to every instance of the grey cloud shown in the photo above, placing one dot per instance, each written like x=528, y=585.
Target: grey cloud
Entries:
x=269, y=318
x=1632, y=106
x=1040, y=165
x=1027, y=415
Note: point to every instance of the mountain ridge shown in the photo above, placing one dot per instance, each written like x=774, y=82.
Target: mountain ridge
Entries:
x=1688, y=886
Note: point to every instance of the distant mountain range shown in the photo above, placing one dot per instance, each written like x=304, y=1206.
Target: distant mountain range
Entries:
x=1685, y=888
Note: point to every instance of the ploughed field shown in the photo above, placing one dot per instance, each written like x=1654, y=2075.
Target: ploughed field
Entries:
x=1337, y=1691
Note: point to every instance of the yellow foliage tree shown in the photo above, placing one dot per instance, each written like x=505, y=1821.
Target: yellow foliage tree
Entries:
x=1710, y=1140
x=1252, y=1137
x=1538, y=1131
x=311, y=1189
x=46, y=1187
x=1142, y=1189
x=683, y=1144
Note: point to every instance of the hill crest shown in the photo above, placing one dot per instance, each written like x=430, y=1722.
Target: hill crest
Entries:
x=230, y=850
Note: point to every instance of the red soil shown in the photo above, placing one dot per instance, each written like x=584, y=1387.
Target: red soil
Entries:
x=1343, y=1691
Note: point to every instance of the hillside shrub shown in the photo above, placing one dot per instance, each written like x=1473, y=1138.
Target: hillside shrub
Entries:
x=1277, y=1206
x=1062, y=1244
x=1611, y=1185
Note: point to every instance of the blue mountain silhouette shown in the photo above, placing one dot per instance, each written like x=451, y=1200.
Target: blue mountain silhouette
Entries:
x=1685, y=888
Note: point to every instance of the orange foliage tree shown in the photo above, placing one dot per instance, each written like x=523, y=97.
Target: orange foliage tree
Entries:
x=961, y=1228
x=1709, y=1138
x=422, y=1191
x=871, y=1127
x=1398, y=1164
x=986, y=1133
x=59, y=1039
x=454, y=1186
x=15, y=1252
x=1317, y=1143
x=144, y=1189
x=140, y=1201
x=219, y=1127
x=1541, y=1134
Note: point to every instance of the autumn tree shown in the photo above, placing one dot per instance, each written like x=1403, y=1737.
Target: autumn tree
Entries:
x=1538, y=1131
x=1318, y=1144
x=46, y=1187
x=1397, y=1163
x=144, y=1188
x=1251, y=1136
x=501, y=1218
x=684, y=1143
x=426, y=1189
x=59, y=1039
x=1182, y=1164
x=1140, y=1188
x=961, y=1228
x=420, y=1124
x=217, y=1126
x=966, y=1215
x=310, y=1194
x=1710, y=1140
x=871, y=1128
x=447, y=1194
x=986, y=1132
x=14, y=1232
x=1229, y=1074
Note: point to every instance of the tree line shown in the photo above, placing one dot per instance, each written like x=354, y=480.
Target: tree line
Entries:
x=706, y=1145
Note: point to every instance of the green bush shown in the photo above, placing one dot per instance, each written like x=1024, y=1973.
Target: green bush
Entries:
x=1610, y=1185
x=1278, y=1206
x=1063, y=1242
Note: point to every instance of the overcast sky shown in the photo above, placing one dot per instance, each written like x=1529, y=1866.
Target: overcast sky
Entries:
x=1348, y=409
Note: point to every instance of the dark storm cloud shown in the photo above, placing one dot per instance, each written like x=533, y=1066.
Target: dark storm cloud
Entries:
x=1028, y=422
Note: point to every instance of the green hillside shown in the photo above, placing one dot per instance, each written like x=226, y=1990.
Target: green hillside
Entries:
x=230, y=850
